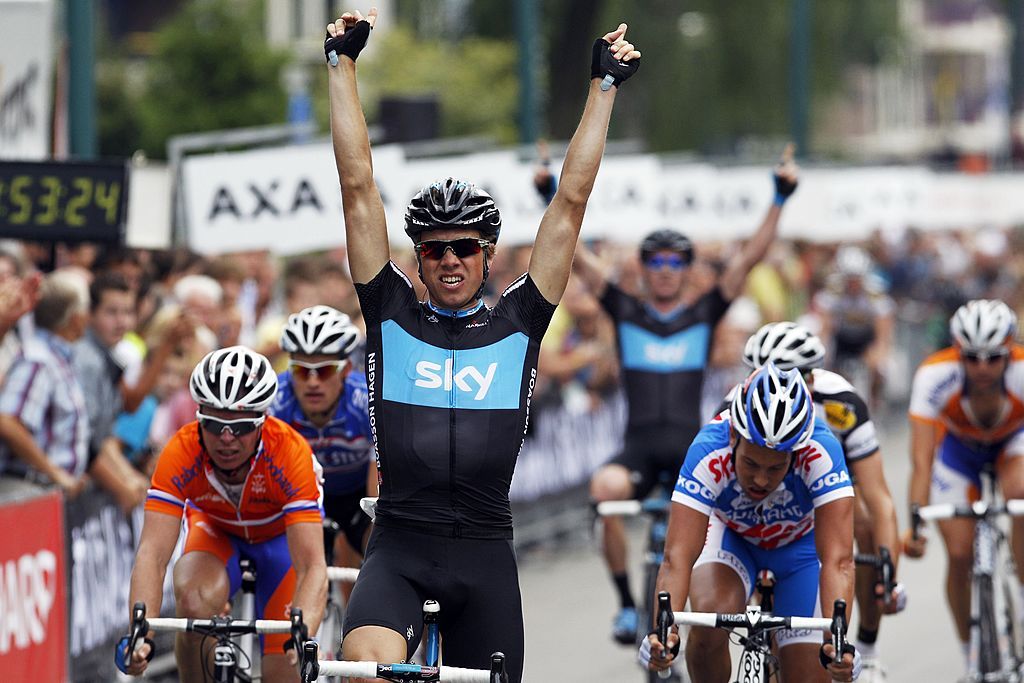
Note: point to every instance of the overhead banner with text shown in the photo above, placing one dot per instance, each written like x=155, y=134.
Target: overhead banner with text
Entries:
x=26, y=43
x=288, y=199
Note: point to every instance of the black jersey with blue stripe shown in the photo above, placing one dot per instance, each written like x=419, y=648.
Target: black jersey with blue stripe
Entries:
x=663, y=358
x=449, y=397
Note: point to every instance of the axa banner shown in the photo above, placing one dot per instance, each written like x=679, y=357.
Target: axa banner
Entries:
x=25, y=65
x=33, y=627
x=288, y=199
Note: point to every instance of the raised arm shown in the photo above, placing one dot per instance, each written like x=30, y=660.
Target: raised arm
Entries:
x=560, y=227
x=366, y=232
x=734, y=278
x=591, y=270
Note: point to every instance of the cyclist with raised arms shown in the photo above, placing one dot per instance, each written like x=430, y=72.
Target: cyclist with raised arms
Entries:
x=664, y=340
x=792, y=346
x=450, y=380
x=967, y=412
x=763, y=486
x=324, y=399
x=248, y=487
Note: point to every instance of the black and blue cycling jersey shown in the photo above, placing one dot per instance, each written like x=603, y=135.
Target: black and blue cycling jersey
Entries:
x=663, y=358
x=449, y=397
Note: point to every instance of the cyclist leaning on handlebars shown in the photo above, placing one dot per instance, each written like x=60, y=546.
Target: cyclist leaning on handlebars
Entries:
x=967, y=411
x=793, y=346
x=763, y=486
x=248, y=487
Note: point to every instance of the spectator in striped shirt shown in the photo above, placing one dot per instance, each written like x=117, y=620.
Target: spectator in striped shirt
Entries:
x=44, y=424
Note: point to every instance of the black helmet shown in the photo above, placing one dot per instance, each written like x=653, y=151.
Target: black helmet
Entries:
x=666, y=239
x=452, y=203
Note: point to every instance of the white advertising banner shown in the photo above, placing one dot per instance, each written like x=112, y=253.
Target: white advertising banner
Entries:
x=287, y=199
x=26, y=45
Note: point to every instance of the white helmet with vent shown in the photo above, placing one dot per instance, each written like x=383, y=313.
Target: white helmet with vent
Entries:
x=235, y=378
x=786, y=344
x=319, y=330
x=983, y=325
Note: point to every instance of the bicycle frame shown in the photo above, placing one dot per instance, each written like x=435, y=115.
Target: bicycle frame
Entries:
x=989, y=659
x=312, y=669
x=759, y=626
x=226, y=665
x=657, y=509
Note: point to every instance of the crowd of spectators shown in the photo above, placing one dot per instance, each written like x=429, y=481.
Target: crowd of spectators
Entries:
x=96, y=344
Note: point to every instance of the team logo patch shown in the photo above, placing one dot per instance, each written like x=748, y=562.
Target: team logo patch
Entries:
x=840, y=416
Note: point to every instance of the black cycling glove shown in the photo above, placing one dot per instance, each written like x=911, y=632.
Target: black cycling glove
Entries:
x=350, y=43
x=602, y=64
x=783, y=188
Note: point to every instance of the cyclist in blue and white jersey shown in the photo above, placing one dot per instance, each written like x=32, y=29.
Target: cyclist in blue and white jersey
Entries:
x=792, y=346
x=450, y=380
x=664, y=343
x=763, y=486
x=325, y=401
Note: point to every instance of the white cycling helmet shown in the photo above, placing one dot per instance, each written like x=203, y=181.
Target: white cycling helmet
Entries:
x=774, y=409
x=983, y=325
x=319, y=330
x=786, y=344
x=235, y=378
x=852, y=261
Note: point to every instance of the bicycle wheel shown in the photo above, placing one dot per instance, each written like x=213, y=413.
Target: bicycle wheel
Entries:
x=989, y=659
x=1012, y=628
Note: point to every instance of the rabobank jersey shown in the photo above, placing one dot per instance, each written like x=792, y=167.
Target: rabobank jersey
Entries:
x=843, y=410
x=344, y=446
x=281, y=489
x=707, y=483
x=663, y=357
x=939, y=396
x=449, y=399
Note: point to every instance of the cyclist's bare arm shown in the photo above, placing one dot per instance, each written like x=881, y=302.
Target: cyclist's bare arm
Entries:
x=833, y=538
x=366, y=231
x=553, y=249
x=734, y=278
x=873, y=489
x=156, y=545
x=924, y=438
x=306, y=546
x=687, y=530
x=591, y=269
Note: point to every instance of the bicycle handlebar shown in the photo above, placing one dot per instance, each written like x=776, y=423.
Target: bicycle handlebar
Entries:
x=223, y=625
x=629, y=508
x=753, y=618
x=977, y=510
x=311, y=669
x=348, y=574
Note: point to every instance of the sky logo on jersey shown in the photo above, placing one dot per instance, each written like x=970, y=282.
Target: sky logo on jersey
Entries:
x=648, y=352
x=485, y=378
x=431, y=377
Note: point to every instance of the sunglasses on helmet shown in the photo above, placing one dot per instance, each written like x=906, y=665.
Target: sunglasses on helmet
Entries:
x=322, y=371
x=659, y=261
x=984, y=356
x=239, y=427
x=462, y=247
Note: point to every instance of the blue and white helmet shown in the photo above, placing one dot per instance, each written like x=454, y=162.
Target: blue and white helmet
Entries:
x=774, y=409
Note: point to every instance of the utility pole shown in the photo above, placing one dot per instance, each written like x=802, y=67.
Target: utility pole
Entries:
x=81, y=55
x=1016, y=81
x=799, y=69
x=529, y=97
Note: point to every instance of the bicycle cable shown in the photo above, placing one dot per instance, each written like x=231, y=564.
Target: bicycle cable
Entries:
x=243, y=662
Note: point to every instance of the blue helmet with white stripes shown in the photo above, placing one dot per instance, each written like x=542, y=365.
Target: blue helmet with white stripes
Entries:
x=774, y=409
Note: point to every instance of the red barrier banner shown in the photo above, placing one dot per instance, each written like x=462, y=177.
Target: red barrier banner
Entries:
x=33, y=620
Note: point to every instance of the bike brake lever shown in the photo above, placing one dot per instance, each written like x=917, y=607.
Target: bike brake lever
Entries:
x=309, y=666
x=665, y=621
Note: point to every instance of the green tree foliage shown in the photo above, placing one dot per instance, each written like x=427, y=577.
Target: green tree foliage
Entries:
x=474, y=80
x=211, y=70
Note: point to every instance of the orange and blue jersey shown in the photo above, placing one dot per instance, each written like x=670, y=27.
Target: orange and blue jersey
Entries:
x=282, y=488
x=939, y=397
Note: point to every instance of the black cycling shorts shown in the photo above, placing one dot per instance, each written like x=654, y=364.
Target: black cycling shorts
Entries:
x=475, y=581
x=344, y=509
x=652, y=457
